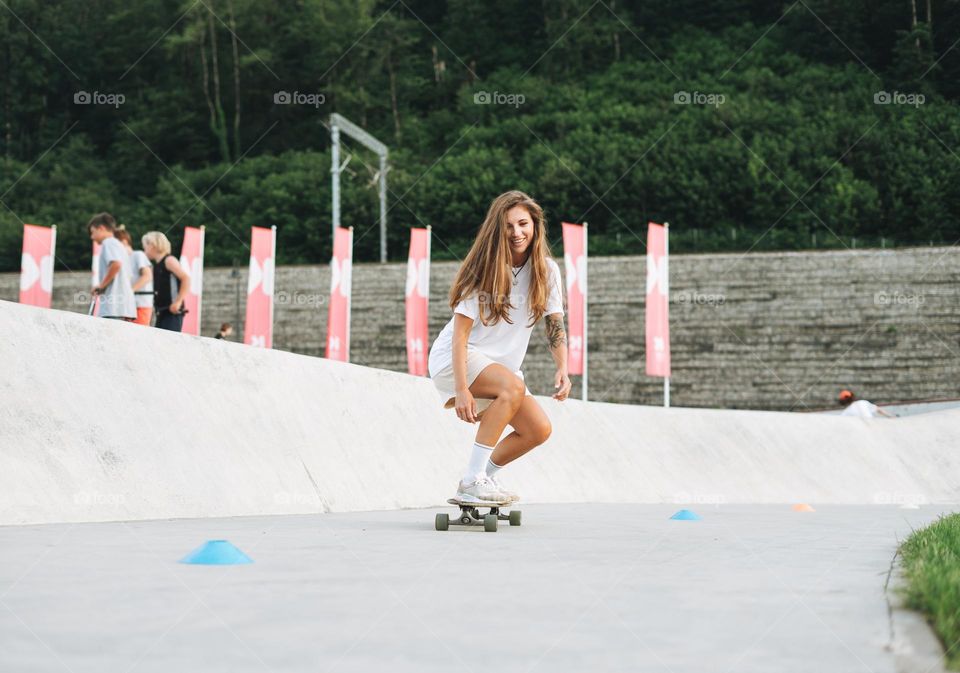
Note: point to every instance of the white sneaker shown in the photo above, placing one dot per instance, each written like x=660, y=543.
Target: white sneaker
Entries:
x=510, y=495
x=482, y=490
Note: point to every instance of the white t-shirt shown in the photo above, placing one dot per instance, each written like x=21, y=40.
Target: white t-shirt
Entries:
x=117, y=299
x=861, y=409
x=502, y=342
x=138, y=260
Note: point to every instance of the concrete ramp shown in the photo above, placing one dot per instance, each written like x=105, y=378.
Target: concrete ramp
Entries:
x=108, y=421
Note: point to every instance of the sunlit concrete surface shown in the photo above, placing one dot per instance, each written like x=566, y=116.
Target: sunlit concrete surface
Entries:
x=575, y=588
x=227, y=430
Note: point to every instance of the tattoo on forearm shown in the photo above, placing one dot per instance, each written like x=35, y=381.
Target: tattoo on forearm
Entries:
x=556, y=335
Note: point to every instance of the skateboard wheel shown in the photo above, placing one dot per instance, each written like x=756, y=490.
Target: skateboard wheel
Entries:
x=515, y=517
x=490, y=523
x=442, y=521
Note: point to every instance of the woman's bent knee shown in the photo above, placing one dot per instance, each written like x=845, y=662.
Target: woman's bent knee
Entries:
x=541, y=432
x=514, y=392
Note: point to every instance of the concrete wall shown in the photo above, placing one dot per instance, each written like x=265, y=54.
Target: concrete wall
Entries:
x=110, y=421
x=759, y=331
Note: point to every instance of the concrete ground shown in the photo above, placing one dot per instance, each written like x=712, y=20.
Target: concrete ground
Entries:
x=575, y=588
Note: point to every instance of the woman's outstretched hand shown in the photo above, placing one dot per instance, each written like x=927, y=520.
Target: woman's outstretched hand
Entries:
x=466, y=407
x=561, y=382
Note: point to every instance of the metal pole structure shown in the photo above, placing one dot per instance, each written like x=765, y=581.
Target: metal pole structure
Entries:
x=383, y=208
x=585, y=282
x=335, y=173
x=340, y=123
x=429, y=263
x=666, y=276
x=199, y=290
x=273, y=234
x=235, y=274
x=349, y=294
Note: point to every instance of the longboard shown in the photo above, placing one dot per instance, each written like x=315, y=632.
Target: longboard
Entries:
x=470, y=515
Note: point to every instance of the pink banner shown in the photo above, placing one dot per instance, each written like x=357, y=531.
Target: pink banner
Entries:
x=338, y=317
x=36, y=265
x=418, y=300
x=258, y=328
x=95, y=280
x=191, y=259
x=658, y=302
x=575, y=264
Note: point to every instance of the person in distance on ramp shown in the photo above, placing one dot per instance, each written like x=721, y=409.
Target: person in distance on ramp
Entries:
x=506, y=284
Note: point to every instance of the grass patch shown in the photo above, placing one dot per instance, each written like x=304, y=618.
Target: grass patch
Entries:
x=931, y=561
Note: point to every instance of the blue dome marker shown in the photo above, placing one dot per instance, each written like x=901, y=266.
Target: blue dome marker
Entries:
x=686, y=515
x=216, y=553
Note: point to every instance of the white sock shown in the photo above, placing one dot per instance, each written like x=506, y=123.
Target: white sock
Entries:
x=492, y=468
x=478, y=461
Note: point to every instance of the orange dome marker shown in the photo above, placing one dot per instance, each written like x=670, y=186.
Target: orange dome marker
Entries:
x=803, y=507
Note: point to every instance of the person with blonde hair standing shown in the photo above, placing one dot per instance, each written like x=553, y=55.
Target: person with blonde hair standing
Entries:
x=506, y=284
x=170, y=282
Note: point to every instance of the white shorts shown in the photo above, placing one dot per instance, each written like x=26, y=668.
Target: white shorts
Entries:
x=476, y=363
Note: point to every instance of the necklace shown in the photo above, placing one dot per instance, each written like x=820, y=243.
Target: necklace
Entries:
x=515, y=281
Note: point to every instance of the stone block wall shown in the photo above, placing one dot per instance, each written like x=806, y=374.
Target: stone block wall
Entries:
x=760, y=331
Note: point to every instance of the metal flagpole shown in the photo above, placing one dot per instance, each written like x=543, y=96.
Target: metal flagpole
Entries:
x=585, y=284
x=666, y=277
x=429, y=263
x=273, y=234
x=349, y=294
x=203, y=242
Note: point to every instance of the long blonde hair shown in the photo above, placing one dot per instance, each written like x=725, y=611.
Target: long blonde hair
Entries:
x=486, y=269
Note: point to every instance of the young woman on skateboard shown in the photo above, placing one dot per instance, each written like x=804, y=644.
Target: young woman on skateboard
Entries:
x=506, y=284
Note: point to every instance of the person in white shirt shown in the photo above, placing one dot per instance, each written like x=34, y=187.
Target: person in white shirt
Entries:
x=116, y=295
x=859, y=408
x=506, y=284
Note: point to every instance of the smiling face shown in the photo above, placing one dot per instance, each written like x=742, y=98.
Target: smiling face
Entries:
x=519, y=233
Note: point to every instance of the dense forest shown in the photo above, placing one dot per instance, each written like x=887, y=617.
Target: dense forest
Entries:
x=747, y=124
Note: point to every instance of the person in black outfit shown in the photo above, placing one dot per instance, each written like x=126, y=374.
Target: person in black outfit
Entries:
x=170, y=282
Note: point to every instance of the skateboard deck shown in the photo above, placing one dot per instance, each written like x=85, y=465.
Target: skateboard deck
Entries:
x=470, y=515
x=491, y=503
